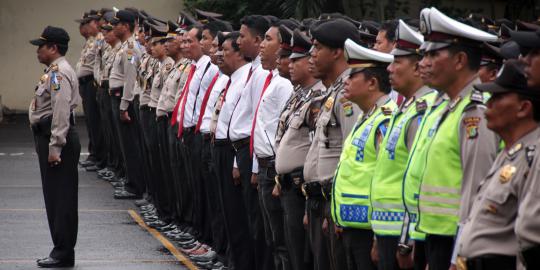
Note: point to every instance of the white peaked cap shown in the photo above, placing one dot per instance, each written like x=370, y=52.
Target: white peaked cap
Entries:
x=441, y=31
x=408, y=41
x=360, y=57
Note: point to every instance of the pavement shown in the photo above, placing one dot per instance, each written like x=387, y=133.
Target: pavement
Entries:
x=110, y=238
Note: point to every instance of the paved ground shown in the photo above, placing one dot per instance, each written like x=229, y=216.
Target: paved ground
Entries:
x=109, y=237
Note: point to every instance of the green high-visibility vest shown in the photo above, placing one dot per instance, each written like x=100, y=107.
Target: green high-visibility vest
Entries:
x=415, y=167
x=352, y=181
x=386, y=187
x=440, y=189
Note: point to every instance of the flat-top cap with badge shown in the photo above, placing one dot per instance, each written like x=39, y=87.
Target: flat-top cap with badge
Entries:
x=108, y=16
x=171, y=30
x=408, y=41
x=333, y=33
x=359, y=57
x=158, y=32
x=511, y=79
x=527, y=40
x=185, y=20
x=54, y=35
x=300, y=43
x=491, y=55
x=88, y=16
x=123, y=15
x=441, y=31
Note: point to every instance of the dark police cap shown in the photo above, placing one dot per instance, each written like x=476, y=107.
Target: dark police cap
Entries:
x=526, y=39
x=51, y=34
x=285, y=34
x=333, y=33
x=103, y=11
x=301, y=44
x=510, y=50
x=511, y=79
x=125, y=16
x=88, y=17
x=491, y=54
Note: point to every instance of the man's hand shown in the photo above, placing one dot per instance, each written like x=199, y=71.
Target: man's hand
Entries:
x=54, y=160
x=305, y=220
x=325, y=226
x=236, y=176
x=338, y=231
x=453, y=267
x=375, y=253
x=276, y=192
x=124, y=116
x=254, y=182
x=405, y=261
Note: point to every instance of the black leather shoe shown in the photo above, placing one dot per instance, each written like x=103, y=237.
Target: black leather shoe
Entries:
x=92, y=168
x=157, y=223
x=54, y=263
x=125, y=195
x=141, y=202
x=117, y=184
x=86, y=163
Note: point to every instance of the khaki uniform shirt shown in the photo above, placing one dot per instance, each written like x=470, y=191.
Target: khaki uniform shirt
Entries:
x=85, y=65
x=145, y=75
x=107, y=61
x=163, y=70
x=489, y=229
x=171, y=86
x=101, y=48
x=124, y=71
x=56, y=95
x=294, y=128
x=335, y=121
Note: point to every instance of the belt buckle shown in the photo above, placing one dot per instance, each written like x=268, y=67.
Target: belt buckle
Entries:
x=303, y=188
x=296, y=180
x=323, y=193
x=276, y=179
x=461, y=263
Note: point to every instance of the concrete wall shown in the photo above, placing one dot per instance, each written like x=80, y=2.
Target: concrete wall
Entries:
x=22, y=20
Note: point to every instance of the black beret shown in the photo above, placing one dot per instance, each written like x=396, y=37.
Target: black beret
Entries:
x=333, y=33
x=300, y=43
x=51, y=34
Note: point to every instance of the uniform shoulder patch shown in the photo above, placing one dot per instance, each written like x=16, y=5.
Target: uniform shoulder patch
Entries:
x=477, y=96
x=54, y=68
x=471, y=126
x=386, y=110
x=348, y=109
x=168, y=67
x=329, y=103
x=130, y=45
x=421, y=105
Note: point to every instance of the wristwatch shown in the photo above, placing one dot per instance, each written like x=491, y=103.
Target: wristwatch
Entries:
x=404, y=250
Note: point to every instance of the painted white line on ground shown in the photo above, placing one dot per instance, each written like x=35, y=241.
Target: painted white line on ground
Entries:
x=85, y=154
x=16, y=154
x=2, y=154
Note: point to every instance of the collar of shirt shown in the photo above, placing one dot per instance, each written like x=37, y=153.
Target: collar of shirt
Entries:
x=55, y=62
x=202, y=62
x=256, y=62
x=528, y=139
x=240, y=72
x=379, y=103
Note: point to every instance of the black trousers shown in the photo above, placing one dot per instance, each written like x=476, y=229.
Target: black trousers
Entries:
x=131, y=148
x=387, y=248
x=116, y=146
x=161, y=150
x=152, y=160
x=439, y=251
x=234, y=208
x=60, y=189
x=293, y=204
x=273, y=218
x=175, y=163
x=357, y=245
x=263, y=254
x=87, y=90
x=214, y=212
x=103, y=102
x=338, y=256
x=320, y=248
x=192, y=164
x=419, y=255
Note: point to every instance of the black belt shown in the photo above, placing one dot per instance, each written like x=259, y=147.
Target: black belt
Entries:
x=147, y=108
x=489, y=262
x=105, y=84
x=287, y=180
x=169, y=114
x=189, y=129
x=238, y=144
x=43, y=126
x=85, y=79
x=267, y=162
x=206, y=136
x=532, y=257
x=221, y=142
x=116, y=91
x=321, y=189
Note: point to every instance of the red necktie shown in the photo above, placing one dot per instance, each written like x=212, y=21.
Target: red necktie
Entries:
x=249, y=74
x=400, y=99
x=186, y=86
x=205, y=100
x=266, y=83
x=186, y=90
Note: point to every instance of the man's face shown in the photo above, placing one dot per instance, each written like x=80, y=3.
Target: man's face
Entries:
x=183, y=43
x=45, y=53
x=532, y=59
x=229, y=58
x=487, y=74
x=83, y=30
x=382, y=44
x=206, y=41
x=356, y=87
x=283, y=63
x=269, y=48
x=213, y=51
x=502, y=110
x=193, y=47
x=322, y=58
x=248, y=42
x=171, y=47
x=299, y=70
x=158, y=50
x=93, y=27
x=438, y=69
x=141, y=37
x=402, y=73
x=119, y=29
x=109, y=37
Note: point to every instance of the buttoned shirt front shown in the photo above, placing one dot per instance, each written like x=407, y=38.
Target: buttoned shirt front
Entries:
x=124, y=71
x=218, y=87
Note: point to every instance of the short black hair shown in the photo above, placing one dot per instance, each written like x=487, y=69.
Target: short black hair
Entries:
x=257, y=24
x=62, y=49
x=474, y=54
x=536, y=105
x=131, y=25
x=233, y=36
x=389, y=27
x=214, y=27
x=199, y=31
x=381, y=75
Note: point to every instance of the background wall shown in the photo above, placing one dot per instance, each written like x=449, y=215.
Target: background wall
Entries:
x=22, y=20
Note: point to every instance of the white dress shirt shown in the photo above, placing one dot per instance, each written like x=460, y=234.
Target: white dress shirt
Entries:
x=202, y=77
x=271, y=105
x=238, y=80
x=242, y=119
x=219, y=85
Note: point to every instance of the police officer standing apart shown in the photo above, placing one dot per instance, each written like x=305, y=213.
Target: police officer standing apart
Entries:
x=57, y=143
x=488, y=240
x=452, y=58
